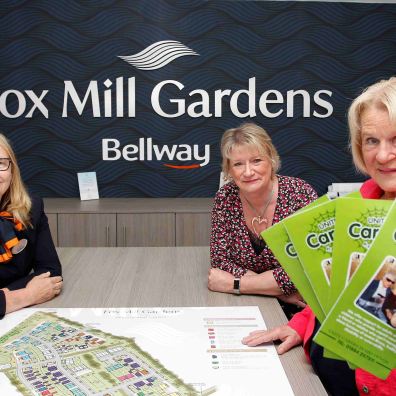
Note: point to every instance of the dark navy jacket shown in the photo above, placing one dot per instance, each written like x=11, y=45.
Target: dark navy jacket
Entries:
x=38, y=257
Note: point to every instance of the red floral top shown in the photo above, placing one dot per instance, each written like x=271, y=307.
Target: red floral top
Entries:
x=230, y=247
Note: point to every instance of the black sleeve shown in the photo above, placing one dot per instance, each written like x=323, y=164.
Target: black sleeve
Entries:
x=2, y=304
x=20, y=283
x=44, y=257
x=368, y=293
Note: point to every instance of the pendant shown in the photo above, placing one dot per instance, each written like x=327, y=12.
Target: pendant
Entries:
x=259, y=221
x=19, y=246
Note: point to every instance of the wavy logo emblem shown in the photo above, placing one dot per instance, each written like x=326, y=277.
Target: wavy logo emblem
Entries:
x=158, y=55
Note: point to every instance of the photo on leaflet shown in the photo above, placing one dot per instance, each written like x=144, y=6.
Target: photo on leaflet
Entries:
x=354, y=262
x=326, y=267
x=379, y=296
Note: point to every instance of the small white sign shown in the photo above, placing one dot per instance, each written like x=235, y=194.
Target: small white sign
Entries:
x=88, y=186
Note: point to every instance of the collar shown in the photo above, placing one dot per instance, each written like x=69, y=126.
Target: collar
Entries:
x=370, y=189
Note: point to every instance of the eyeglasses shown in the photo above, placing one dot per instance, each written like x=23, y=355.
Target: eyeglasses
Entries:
x=5, y=164
x=390, y=280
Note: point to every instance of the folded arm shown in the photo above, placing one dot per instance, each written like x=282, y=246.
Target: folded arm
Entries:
x=40, y=289
x=45, y=280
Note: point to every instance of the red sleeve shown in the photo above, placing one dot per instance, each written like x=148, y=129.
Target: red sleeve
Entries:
x=304, y=324
x=299, y=322
x=221, y=240
x=367, y=383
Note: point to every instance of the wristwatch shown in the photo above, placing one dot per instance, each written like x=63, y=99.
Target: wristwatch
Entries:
x=236, y=290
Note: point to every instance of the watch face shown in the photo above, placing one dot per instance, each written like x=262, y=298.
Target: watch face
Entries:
x=236, y=286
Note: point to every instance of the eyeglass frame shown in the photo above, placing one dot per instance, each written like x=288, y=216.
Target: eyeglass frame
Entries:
x=9, y=163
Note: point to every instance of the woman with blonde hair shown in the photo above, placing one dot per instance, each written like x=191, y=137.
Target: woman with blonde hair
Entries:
x=255, y=197
x=30, y=271
x=372, y=125
x=389, y=306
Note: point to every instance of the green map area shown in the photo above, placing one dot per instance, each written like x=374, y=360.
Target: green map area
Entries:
x=48, y=355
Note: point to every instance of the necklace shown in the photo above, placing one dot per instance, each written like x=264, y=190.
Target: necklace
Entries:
x=260, y=218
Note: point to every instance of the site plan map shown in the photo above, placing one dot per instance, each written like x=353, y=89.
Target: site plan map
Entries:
x=136, y=351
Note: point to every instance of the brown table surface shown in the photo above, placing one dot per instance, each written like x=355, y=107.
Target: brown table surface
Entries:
x=165, y=277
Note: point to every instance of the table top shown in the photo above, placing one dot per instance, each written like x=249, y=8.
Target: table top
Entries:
x=165, y=277
x=129, y=205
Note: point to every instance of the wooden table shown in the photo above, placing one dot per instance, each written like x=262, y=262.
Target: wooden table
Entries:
x=165, y=277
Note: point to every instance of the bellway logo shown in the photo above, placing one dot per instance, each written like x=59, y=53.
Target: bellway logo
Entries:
x=158, y=55
x=147, y=151
x=155, y=56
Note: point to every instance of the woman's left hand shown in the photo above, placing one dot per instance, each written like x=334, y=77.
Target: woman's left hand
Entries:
x=220, y=281
x=286, y=334
x=43, y=287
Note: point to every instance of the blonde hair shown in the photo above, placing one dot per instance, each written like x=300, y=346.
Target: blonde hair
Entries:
x=381, y=95
x=250, y=135
x=15, y=200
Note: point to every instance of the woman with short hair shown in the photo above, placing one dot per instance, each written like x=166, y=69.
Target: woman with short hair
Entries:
x=255, y=198
x=29, y=274
x=372, y=125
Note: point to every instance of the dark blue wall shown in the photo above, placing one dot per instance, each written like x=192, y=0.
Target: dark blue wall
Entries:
x=285, y=45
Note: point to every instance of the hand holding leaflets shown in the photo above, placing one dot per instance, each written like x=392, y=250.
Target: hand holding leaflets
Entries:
x=343, y=263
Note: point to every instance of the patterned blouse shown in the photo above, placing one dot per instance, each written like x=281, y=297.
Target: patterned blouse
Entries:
x=230, y=247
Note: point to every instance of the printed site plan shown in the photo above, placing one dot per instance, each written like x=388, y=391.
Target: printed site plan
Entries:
x=136, y=351
x=52, y=356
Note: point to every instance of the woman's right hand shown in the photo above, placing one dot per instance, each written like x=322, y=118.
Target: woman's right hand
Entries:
x=286, y=334
x=44, y=287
